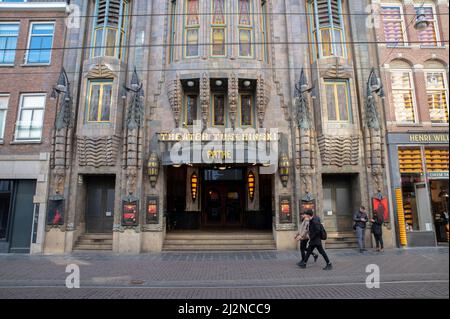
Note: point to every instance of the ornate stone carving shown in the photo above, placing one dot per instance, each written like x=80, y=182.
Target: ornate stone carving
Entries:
x=101, y=71
x=97, y=151
x=135, y=114
x=339, y=150
x=233, y=95
x=335, y=68
x=59, y=177
x=261, y=99
x=205, y=94
x=175, y=99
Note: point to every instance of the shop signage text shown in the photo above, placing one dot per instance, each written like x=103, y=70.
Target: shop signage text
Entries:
x=224, y=137
x=428, y=138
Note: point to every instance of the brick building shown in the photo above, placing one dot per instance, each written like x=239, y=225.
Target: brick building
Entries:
x=28, y=71
x=413, y=56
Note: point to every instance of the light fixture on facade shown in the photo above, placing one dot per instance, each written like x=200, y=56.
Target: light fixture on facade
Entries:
x=219, y=83
x=247, y=83
x=194, y=186
x=251, y=185
x=190, y=84
x=283, y=169
x=421, y=22
x=222, y=168
x=153, y=169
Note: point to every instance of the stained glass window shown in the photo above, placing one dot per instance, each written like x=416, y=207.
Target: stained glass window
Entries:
x=245, y=46
x=244, y=12
x=245, y=28
x=99, y=103
x=192, y=13
x=192, y=28
x=218, y=12
x=218, y=47
x=219, y=109
x=246, y=109
x=338, y=101
x=218, y=29
x=191, y=109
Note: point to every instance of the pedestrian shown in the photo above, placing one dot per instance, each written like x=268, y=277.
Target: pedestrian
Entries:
x=377, y=230
x=303, y=237
x=316, y=233
x=361, y=220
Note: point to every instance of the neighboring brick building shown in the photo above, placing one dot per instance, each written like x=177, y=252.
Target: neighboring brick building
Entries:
x=29, y=70
x=414, y=64
x=219, y=65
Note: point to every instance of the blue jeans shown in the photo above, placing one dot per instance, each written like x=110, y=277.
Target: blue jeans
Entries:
x=361, y=235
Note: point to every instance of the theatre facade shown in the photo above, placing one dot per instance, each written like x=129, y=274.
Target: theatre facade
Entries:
x=192, y=120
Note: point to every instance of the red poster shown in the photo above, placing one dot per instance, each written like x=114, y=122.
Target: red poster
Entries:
x=382, y=207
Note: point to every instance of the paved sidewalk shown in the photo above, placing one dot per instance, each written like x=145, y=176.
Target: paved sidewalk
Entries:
x=411, y=273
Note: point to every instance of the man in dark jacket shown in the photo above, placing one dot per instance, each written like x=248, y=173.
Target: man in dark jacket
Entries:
x=361, y=220
x=315, y=242
x=377, y=230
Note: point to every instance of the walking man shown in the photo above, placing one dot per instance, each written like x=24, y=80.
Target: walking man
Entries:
x=315, y=241
x=303, y=237
x=361, y=220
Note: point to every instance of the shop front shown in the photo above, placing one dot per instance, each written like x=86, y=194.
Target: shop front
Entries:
x=420, y=180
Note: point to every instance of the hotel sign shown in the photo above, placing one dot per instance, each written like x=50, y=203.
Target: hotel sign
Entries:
x=418, y=138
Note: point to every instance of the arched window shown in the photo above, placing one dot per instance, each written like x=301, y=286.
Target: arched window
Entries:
x=110, y=28
x=403, y=94
x=437, y=91
x=327, y=28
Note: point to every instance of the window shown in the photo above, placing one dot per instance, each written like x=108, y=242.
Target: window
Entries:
x=338, y=101
x=99, y=101
x=110, y=28
x=192, y=28
x=3, y=109
x=40, y=43
x=246, y=110
x=218, y=28
x=429, y=36
x=173, y=26
x=191, y=109
x=327, y=28
x=245, y=28
x=219, y=109
x=403, y=96
x=31, y=116
x=437, y=96
x=393, y=25
x=8, y=42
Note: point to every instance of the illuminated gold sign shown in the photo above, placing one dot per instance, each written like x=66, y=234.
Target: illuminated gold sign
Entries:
x=428, y=138
x=219, y=137
x=219, y=155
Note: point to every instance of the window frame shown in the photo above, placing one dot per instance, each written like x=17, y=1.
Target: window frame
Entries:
x=402, y=22
x=252, y=109
x=102, y=83
x=347, y=85
x=250, y=28
x=188, y=28
x=445, y=89
x=5, y=110
x=19, y=115
x=413, y=96
x=30, y=35
x=219, y=26
x=185, y=103
x=225, y=109
x=17, y=40
x=435, y=23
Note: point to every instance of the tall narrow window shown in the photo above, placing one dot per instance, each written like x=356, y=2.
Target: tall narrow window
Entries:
x=218, y=28
x=31, y=117
x=338, y=101
x=393, y=24
x=245, y=28
x=403, y=96
x=327, y=28
x=437, y=96
x=8, y=42
x=429, y=36
x=246, y=110
x=3, y=109
x=40, y=43
x=99, y=101
x=110, y=28
x=264, y=30
x=219, y=109
x=192, y=28
x=191, y=109
x=173, y=27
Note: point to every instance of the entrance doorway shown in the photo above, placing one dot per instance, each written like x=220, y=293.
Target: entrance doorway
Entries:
x=100, y=204
x=440, y=208
x=338, y=202
x=223, y=199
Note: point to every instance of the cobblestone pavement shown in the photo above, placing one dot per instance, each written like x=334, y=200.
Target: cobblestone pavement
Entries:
x=410, y=273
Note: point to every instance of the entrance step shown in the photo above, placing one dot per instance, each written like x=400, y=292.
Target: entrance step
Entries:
x=341, y=240
x=218, y=241
x=96, y=242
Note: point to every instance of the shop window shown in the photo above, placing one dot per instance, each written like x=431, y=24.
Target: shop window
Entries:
x=192, y=28
x=327, y=28
x=338, y=101
x=218, y=28
x=403, y=96
x=437, y=96
x=436, y=161
x=110, y=28
x=99, y=101
x=429, y=36
x=394, y=25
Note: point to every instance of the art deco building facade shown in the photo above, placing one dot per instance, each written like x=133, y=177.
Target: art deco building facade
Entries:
x=182, y=118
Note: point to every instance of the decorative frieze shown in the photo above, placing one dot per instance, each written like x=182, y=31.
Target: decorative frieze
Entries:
x=205, y=93
x=175, y=92
x=233, y=96
x=97, y=151
x=101, y=71
x=339, y=150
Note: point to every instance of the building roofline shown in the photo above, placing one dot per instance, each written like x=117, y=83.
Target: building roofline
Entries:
x=27, y=6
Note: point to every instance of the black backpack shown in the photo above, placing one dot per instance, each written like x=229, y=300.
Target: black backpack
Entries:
x=323, y=232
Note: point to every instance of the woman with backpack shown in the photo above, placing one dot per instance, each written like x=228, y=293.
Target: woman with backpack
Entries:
x=317, y=233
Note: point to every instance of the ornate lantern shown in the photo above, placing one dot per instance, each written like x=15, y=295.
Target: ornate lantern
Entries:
x=153, y=169
x=194, y=185
x=251, y=185
x=283, y=169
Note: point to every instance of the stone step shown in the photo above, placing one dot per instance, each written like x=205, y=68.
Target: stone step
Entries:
x=219, y=236
x=85, y=241
x=93, y=247
x=217, y=247
x=228, y=241
x=96, y=236
x=329, y=245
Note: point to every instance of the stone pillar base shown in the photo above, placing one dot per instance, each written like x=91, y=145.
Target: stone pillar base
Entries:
x=55, y=242
x=285, y=240
x=128, y=242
